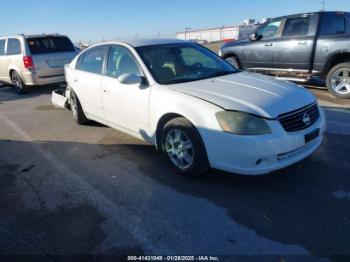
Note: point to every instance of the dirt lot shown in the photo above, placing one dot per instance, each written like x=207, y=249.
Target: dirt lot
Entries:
x=78, y=190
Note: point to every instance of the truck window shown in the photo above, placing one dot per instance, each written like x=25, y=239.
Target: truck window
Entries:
x=50, y=44
x=297, y=27
x=332, y=24
x=2, y=46
x=13, y=46
x=269, y=30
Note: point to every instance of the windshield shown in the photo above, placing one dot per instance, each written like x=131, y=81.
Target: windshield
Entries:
x=50, y=44
x=179, y=63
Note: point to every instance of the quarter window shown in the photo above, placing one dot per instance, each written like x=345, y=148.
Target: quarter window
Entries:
x=13, y=47
x=333, y=24
x=2, y=47
x=269, y=30
x=297, y=27
x=121, y=61
x=93, y=60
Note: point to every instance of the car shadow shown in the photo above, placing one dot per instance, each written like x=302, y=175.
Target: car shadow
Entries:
x=8, y=93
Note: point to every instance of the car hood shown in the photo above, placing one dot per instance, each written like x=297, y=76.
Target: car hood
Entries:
x=249, y=92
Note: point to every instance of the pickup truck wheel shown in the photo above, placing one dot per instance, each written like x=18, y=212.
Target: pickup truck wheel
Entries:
x=232, y=60
x=18, y=84
x=338, y=80
x=184, y=148
x=77, y=111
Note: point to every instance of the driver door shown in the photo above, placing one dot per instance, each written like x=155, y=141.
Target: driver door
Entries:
x=125, y=105
x=258, y=55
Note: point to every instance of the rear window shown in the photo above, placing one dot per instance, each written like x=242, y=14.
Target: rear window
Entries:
x=42, y=45
x=333, y=23
x=2, y=46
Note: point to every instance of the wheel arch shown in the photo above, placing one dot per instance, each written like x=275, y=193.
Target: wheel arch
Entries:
x=335, y=60
x=232, y=54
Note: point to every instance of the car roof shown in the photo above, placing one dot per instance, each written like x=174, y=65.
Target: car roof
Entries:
x=33, y=36
x=147, y=42
x=310, y=13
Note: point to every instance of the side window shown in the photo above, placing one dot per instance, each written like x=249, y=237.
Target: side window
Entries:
x=2, y=46
x=93, y=60
x=333, y=24
x=13, y=46
x=270, y=30
x=121, y=61
x=79, y=61
x=297, y=27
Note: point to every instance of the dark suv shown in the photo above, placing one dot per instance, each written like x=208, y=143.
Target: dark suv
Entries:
x=298, y=47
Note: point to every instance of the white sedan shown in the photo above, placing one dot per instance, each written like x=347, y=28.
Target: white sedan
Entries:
x=195, y=107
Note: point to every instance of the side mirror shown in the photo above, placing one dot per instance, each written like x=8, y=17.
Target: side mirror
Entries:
x=130, y=79
x=254, y=37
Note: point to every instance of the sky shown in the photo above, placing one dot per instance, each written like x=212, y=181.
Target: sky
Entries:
x=96, y=20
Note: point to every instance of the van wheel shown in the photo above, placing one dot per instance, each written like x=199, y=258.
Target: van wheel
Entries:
x=183, y=147
x=232, y=60
x=18, y=84
x=338, y=80
x=77, y=111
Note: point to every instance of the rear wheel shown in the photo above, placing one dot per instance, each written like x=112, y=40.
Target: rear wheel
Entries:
x=233, y=61
x=18, y=84
x=338, y=80
x=184, y=148
x=77, y=111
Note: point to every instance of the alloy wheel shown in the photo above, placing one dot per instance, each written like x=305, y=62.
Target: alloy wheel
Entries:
x=340, y=81
x=16, y=81
x=179, y=148
x=74, y=107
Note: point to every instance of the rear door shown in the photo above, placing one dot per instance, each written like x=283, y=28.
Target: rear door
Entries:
x=50, y=54
x=293, y=50
x=86, y=79
x=258, y=55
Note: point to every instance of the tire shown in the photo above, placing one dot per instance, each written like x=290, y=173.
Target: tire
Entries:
x=338, y=80
x=77, y=111
x=18, y=83
x=182, y=145
x=232, y=60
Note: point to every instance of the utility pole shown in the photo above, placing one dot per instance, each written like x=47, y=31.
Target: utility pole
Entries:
x=323, y=6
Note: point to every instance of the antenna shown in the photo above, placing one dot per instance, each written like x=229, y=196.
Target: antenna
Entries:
x=323, y=3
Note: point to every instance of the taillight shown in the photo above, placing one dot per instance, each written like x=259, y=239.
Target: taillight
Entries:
x=28, y=62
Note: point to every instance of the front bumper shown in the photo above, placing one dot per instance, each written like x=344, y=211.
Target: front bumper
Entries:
x=257, y=155
x=31, y=78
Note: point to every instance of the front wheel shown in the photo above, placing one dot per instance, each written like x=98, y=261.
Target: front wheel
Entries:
x=338, y=80
x=184, y=148
x=18, y=84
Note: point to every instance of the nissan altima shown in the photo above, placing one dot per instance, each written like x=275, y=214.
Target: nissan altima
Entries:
x=197, y=109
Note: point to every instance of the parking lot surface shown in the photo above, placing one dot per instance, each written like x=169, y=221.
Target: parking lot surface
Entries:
x=71, y=190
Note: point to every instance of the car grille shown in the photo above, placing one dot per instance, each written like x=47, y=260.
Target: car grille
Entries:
x=299, y=119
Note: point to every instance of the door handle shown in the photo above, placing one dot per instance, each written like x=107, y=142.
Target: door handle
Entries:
x=302, y=43
x=268, y=44
x=105, y=90
x=75, y=80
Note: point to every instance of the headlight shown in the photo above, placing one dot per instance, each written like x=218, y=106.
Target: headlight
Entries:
x=242, y=123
